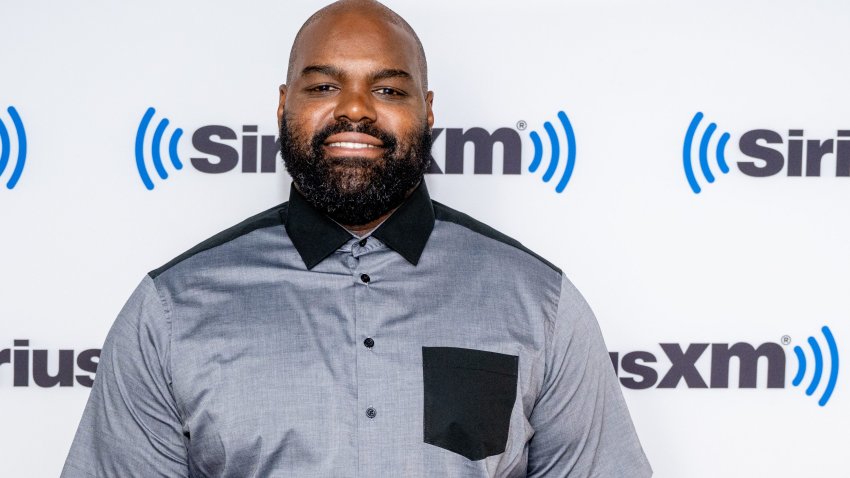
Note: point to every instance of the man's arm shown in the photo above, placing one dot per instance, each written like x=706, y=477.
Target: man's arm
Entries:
x=582, y=426
x=131, y=426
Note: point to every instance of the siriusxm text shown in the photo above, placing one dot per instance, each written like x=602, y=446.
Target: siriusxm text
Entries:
x=223, y=150
x=48, y=368
x=641, y=369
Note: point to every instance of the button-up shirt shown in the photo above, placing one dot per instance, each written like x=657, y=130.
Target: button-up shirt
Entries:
x=285, y=347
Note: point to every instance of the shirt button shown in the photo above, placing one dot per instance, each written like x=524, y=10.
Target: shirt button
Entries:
x=369, y=343
x=365, y=278
x=363, y=241
x=370, y=412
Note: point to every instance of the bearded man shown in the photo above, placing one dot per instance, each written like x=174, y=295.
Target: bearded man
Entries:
x=360, y=329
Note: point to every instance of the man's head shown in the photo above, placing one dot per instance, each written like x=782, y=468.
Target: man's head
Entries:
x=355, y=114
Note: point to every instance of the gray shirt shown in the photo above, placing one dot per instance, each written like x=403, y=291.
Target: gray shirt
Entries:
x=284, y=347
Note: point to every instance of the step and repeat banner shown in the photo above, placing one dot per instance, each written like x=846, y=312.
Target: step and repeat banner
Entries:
x=686, y=163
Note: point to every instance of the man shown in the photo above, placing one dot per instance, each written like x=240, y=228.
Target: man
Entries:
x=359, y=329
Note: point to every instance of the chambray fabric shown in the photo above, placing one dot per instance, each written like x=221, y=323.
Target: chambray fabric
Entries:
x=239, y=361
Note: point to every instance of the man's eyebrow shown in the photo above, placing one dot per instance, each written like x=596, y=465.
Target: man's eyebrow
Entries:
x=338, y=73
x=390, y=73
x=328, y=70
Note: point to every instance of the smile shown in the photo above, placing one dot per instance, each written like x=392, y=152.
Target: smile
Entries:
x=350, y=145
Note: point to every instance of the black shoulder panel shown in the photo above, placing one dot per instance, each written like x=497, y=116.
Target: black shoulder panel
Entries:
x=447, y=214
x=268, y=218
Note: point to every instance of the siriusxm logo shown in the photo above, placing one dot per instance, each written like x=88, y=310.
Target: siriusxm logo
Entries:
x=156, y=148
x=220, y=152
x=818, y=367
x=213, y=142
x=555, y=152
x=638, y=370
x=16, y=167
x=769, y=160
x=484, y=142
x=29, y=363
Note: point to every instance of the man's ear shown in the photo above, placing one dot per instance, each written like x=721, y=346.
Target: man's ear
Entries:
x=280, y=104
x=429, y=101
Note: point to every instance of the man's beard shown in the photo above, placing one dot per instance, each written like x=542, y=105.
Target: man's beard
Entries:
x=353, y=190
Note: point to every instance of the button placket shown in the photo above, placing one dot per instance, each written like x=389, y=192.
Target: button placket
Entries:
x=371, y=367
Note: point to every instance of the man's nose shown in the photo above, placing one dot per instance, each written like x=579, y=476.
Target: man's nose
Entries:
x=356, y=105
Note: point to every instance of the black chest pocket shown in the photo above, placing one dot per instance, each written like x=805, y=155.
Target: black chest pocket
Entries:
x=469, y=395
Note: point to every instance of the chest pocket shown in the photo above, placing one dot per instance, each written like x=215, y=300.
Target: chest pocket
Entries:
x=469, y=395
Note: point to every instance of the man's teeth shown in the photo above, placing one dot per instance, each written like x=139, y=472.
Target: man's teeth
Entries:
x=346, y=144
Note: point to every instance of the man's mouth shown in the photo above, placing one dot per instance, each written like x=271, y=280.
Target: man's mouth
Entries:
x=347, y=144
x=354, y=144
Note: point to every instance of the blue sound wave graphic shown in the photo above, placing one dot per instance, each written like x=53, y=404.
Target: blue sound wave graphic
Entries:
x=156, y=145
x=6, y=144
x=720, y=153
x=817, y=374
x=555, y=152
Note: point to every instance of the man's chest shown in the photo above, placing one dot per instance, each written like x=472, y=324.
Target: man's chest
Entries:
x=426, y=376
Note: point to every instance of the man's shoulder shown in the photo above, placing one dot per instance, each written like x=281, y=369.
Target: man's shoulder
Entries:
x=274, y=216
x=446, y=214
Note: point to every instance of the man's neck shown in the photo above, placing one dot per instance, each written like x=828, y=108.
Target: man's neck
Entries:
x=367, y=228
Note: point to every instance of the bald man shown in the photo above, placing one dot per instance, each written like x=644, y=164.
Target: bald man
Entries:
x=359, y=329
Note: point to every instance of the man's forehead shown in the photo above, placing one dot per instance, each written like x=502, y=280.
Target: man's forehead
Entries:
x=356, y=37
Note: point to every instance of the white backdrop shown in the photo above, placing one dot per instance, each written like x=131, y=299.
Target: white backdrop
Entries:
x=749, y=259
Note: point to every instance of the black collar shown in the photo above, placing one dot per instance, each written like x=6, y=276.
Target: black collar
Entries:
x=316, y=236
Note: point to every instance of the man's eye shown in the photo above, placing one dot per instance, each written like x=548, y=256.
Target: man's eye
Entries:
x=322, y=88
x=389, y=91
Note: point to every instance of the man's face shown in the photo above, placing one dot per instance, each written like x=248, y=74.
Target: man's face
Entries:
x=355, y=118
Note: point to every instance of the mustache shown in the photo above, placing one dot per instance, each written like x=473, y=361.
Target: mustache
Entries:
x=390, y=142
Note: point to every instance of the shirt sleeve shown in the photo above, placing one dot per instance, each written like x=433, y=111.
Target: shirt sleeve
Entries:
x=131, y=426
x=582, y=426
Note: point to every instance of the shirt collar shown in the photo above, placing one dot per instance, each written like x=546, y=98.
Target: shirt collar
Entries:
x=316, y=236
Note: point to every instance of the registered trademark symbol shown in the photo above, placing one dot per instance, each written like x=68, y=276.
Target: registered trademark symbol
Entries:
x=521, y=125
x=786, y=339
